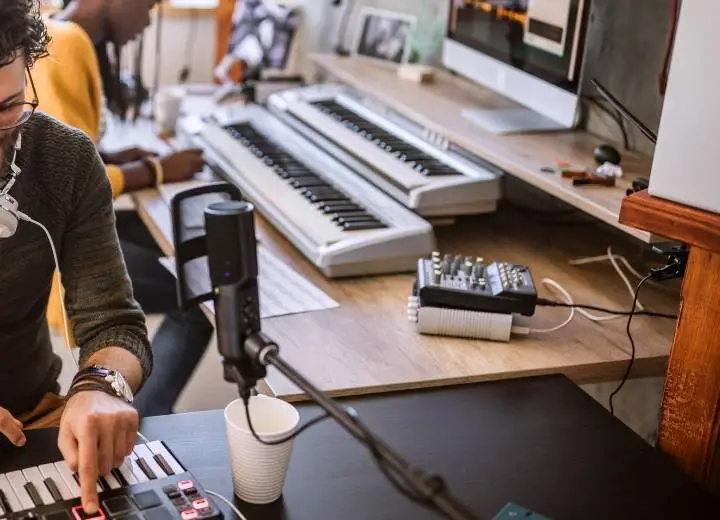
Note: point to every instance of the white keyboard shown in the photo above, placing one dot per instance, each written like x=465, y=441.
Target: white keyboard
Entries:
x=421, y=170
x=53, y=483
x=340, y=222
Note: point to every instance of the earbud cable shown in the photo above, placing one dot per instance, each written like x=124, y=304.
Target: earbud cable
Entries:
x=66, y=329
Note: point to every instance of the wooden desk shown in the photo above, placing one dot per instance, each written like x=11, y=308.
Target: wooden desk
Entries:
x=438, y=106
x=689, y=422
x=540, y=442
x=366, y=345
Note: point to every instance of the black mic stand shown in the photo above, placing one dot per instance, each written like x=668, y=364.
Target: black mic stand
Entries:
x=247, y=352
x=262, y=352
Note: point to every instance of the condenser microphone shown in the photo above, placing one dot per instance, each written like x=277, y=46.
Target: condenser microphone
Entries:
x=232, y=259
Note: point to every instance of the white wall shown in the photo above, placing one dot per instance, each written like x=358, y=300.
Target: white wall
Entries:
x=319, y=33
x=176, y=36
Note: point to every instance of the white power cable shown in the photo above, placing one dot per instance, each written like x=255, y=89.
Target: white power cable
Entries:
x=230, y=504
x=613, y=259
x=548, y=282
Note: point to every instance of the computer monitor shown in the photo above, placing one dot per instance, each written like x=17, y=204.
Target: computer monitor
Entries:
x=527, y=50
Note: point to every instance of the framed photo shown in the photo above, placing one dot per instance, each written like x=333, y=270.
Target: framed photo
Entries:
x=384, y=35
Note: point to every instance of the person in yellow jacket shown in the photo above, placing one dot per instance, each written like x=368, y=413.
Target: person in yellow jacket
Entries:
x=76, y=84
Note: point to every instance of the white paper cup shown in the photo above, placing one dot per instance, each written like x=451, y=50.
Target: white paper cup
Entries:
x=168, y=104
x=259, y=471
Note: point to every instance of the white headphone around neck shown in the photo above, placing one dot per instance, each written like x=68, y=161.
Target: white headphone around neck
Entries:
x=9, y=213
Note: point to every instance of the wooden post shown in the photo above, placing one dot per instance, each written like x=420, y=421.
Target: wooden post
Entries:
x=690, y=411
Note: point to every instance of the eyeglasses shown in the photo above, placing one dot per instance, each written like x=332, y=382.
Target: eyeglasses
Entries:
x=17, y=113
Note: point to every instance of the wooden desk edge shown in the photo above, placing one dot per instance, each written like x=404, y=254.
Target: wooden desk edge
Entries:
x=654, y=366
x=671, y=219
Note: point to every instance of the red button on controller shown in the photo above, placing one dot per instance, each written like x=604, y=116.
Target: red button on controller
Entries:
x=201, y=503
x=80, y=514
x=185, y=484
x=189, y=514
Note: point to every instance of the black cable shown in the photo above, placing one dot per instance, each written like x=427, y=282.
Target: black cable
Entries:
x=158, y=52
x=615, y=115
x=394, y=479
x=632, y=344
x=307, y=425
x=189, y=48
x=550, y=303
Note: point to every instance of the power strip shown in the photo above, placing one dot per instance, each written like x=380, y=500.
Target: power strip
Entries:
x=459, y=323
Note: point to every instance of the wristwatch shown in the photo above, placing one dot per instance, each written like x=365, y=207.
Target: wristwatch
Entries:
x=111, y=381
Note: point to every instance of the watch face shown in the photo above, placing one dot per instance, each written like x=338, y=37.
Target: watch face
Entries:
x=120, y=386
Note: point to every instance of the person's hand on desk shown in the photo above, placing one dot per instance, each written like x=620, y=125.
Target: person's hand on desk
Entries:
x=126, y=156
x=97, y=432
x=174, y=167
x=183, y=165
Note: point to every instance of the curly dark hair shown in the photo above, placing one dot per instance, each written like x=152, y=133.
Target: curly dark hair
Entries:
x=22, y=30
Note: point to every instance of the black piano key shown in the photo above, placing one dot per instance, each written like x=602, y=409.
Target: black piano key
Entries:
x=4, y=504
x=337, y=216
x=119, y=476
x=328, y=197
x=163, y=464
x=364, y=218
x=307, y=182
x=360, y=226
x=53, y=489
x=103, y=484
x=146, y=468
x=34, y=495
x=323, y=191
x=339, y=207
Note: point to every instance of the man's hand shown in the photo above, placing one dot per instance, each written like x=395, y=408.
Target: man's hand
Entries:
x=97, y=432
x=11, y=428
x=127, y=155
x=182, y=166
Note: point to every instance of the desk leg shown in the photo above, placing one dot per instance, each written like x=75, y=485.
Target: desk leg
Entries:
x=690, y=416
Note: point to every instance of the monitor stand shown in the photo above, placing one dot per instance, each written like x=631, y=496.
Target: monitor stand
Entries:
x=514, y=120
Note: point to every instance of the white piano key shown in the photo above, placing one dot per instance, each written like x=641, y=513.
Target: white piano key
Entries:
x=33, y=475
x=10, y=495
x=142, y=451
x=112, y=481
x=17, y=481
x=51, y=472
x=158, y=448
x=139, y=474
x=68, y=478
x=268, y=185
x=126, y=471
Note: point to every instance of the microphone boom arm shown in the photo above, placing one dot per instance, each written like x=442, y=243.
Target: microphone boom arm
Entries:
x=231, y=249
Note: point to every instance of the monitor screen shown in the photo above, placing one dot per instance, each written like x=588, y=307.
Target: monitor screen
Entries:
x=542, y=37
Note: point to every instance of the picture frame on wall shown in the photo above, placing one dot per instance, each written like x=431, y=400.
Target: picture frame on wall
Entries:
x=384, y=35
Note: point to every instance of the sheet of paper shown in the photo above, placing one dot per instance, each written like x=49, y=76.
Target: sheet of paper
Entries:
x=282, y=290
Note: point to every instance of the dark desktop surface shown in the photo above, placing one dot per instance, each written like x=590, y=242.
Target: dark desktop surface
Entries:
x=539, y=442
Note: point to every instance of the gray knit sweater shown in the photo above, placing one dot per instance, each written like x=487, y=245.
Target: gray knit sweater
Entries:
x=63, y=185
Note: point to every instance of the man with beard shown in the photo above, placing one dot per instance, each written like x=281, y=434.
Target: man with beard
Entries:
x=53, y=186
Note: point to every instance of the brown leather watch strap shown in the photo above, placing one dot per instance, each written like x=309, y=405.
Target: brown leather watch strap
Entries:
x=89, y=384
